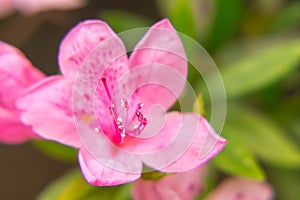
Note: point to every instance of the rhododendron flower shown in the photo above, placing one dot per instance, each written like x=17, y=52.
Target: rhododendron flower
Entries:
x=6, y=8
x=114, y=109
x=243, y=189
x=35, y=6
x=176, y=186
x=16, y=75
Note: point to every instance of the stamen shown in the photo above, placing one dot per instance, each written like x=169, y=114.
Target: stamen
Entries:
x=122, y=131
x=144, y=121
x=124, y=126
x=112, y=109
x=103, y=79
x=137, y=112
x=119, y=120
x=124, y=104
x=139, y=115
x=140, y=106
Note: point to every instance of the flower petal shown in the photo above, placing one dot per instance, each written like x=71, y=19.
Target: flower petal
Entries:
x=47, y=108
x=185, y=185
x=161, y=46
x=12, y=129
x=144, y=190
x=160, y=133
x=16, y=74
x=6, y=8
x=98, y=174
x=79, y=42
x=136, y=85
x=104, y=151
x=175, y=186
x=34, y=6
x=195, y=143
x=96, y=81
x=241, y=188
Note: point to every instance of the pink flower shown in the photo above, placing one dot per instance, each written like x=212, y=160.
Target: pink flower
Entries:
x=6, y=8
x=16, y=75
x=176, y=186
x=34, y=6
x=241, y=189
x=119, y=105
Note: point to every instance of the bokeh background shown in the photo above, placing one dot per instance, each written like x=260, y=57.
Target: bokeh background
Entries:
x=255, y=44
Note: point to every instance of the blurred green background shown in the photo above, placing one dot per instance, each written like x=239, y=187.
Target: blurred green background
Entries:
x=256, y=46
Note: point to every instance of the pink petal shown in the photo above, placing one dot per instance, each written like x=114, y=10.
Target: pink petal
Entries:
x=34, y=6
x=92, y=97
x=146, y=190
x=80, y=41
x=98, y=174
x=16, y=74
x=104, y=151
x=160, y=46
x=6, y=8
x=141, y=84
x=242, y=188
x=195, y=143
x=160, y=133
x=13, y=131
x=47, y=108
x=175, y=186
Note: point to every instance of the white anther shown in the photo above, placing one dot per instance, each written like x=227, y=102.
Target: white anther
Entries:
x=119, y=120
x=124, y=104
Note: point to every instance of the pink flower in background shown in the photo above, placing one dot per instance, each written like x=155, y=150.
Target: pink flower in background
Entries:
x=6, y=8
x=119, y=105
x=242, y=189
x=34, y=6
x=185, y=186
x=16, y=75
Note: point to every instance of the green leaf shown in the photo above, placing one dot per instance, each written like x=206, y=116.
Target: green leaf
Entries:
x=151, y=174
x=288, y=19
x=264, y=137
x=285, y=182
x=191, y=17
x=237, y=159
x=131, y=27
x=226, y=21
x=56, y=150
x=122, y=21
x=58, y=187
x=296, y=129
x=261, y=68
x=73, y=187
x=181, y=15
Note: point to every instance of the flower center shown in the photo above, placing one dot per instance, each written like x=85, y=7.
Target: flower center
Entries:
x=124, y=124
